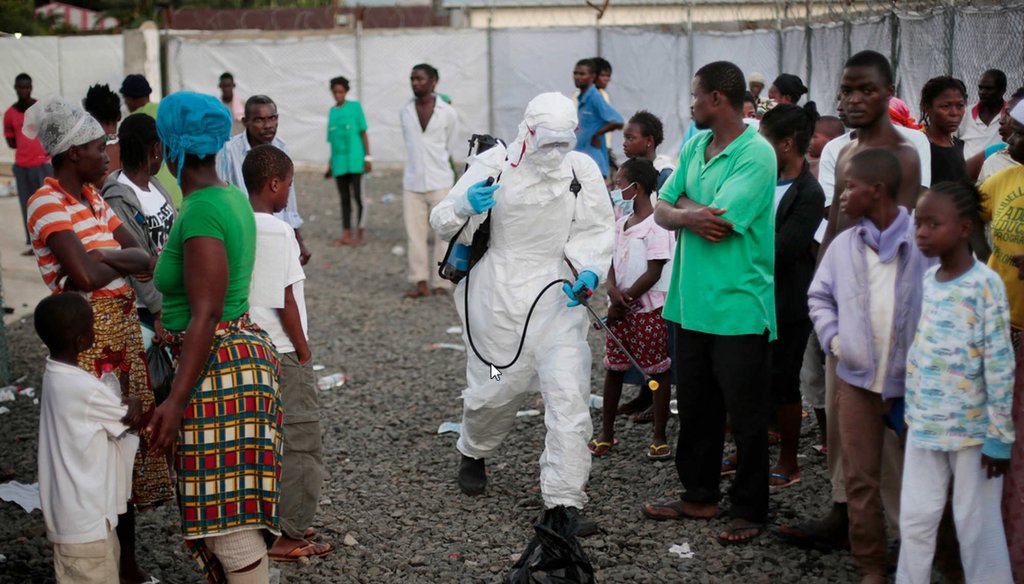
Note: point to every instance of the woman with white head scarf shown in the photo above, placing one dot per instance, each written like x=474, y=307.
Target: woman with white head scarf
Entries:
x=81, y=246
x=539, y=228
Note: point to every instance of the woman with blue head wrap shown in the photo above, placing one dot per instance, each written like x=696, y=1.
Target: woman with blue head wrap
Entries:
x=224, y=404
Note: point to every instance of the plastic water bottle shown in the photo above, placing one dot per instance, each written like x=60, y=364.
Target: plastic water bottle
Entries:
x=331, y=381
x=109, y=379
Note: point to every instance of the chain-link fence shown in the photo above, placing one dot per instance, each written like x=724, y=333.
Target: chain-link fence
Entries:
x=491, y=73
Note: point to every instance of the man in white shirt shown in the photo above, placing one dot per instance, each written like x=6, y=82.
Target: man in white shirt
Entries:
x=260, y=123
x=429, y=126
x=85, y=453
x=980, y=127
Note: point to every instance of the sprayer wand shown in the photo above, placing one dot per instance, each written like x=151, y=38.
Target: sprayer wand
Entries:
x=583, y=296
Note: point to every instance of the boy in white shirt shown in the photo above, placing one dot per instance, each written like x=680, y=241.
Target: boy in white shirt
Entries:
x=85, y=453
x=278, y=306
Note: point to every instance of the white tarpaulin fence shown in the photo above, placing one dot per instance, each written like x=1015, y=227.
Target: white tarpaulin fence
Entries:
x=63, y=65
x=491, y=74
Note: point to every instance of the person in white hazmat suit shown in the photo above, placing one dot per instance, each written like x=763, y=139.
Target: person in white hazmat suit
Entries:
x=538, y=228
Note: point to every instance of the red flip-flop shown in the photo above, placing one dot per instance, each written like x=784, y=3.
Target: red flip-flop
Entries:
x=308, y=550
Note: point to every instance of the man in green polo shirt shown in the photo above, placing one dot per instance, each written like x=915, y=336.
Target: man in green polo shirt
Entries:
x=721, y=302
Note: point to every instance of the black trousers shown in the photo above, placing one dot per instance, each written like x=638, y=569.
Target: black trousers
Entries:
x=787, y=360
x=719, y=375
x=350, y=187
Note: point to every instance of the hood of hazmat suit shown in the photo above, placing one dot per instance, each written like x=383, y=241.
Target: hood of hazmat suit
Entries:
x=538, y=229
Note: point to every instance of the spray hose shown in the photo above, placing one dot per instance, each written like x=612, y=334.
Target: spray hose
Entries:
x=583, y=296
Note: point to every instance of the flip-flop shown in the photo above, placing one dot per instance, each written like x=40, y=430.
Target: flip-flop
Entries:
x=787, y=480
x=728, y=467
x=732, y=529
x=598, y=448
x=675, y=507
x=659, y=452
x=304, y=551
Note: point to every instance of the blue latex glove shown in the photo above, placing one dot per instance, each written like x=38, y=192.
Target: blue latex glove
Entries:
x=481, y=196
x=586, y=281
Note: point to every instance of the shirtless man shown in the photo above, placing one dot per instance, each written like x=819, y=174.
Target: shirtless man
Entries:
x=864, y=92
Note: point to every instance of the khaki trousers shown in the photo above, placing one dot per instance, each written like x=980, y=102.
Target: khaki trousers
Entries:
x=416, y=208
x=302, y=466
x=891, y=463
x=95, y=562
x=863, y=435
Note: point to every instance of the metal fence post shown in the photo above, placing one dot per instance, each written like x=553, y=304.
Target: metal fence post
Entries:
x=490, y=74
x=359, y=57
x=808, y=37
x=689, y=39
x=847, y=32
x=895, y=46
x=950, y=29
x=780, y=47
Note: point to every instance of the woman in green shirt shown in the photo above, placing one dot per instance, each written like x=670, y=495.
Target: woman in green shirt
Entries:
x=223, y=414
x=350, y=158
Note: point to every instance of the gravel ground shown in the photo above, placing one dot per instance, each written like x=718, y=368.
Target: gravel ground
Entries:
x=390, y=504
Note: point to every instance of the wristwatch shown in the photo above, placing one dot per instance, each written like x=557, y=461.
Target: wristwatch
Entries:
x=367, y=158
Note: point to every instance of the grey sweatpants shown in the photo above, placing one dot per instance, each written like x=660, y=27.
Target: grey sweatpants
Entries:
x=302, y=467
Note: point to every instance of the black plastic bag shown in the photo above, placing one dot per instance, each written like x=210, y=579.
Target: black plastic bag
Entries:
x=161, y=372
x=554, y=556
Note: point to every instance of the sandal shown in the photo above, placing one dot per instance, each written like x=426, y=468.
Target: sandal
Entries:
x=672, y=511
x=787, y=480
x=308, y=550
x=598, y=448
x=738, y=526
x=774, y=438
x=644, y=417
x=659, y=452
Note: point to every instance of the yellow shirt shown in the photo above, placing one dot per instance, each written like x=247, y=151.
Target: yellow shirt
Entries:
x=1002, y=203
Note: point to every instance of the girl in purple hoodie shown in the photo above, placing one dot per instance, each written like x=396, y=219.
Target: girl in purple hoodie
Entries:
x=865, y=302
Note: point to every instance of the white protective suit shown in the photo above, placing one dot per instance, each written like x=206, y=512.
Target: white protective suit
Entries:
x=537, y=224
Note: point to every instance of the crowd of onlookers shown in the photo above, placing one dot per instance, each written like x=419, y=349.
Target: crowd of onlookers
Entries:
x=867, y=265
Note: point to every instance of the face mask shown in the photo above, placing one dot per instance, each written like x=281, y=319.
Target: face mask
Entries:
x=625, y=204
x=549, y=156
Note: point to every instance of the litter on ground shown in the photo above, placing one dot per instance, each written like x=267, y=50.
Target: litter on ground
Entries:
x=682, y=551
x=449, y=428
x=452, y=346
x=27, y=496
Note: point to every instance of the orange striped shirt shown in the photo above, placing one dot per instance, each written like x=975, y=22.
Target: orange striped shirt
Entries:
x=52, y=210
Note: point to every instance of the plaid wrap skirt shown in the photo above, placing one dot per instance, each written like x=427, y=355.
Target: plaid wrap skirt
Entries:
x=228, y=453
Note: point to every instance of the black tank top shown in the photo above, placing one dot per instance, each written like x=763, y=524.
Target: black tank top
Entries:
x=948, y=162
